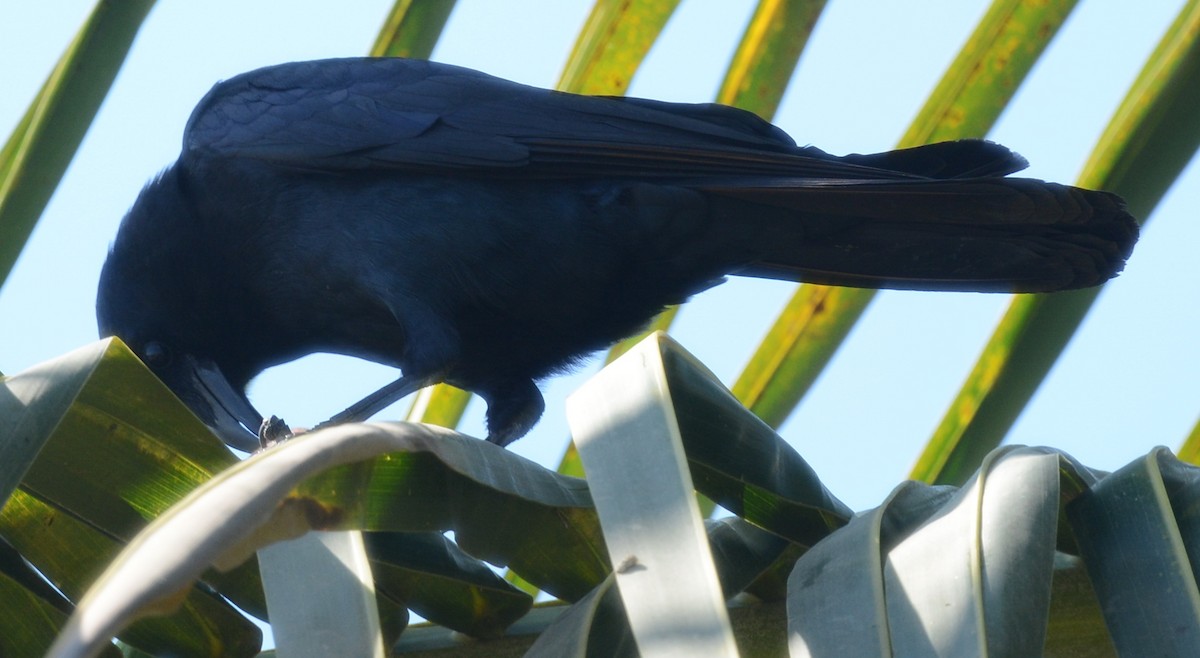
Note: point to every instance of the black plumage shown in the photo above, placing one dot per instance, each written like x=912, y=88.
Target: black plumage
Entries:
x=475, y=231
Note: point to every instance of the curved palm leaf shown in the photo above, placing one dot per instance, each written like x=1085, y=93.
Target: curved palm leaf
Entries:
x=1148, y=142
x=412, y=28
x=969, y=98
x=39, y=150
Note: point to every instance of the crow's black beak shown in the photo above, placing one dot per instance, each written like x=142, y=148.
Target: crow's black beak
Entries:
x=222, y=407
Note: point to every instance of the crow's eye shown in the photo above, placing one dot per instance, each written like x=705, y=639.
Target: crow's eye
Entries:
x=156, y=355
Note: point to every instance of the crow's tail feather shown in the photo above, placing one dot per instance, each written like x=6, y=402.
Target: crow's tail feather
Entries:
x=986, y=234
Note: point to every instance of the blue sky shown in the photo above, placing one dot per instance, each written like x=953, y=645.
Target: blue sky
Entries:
x=1129, y=381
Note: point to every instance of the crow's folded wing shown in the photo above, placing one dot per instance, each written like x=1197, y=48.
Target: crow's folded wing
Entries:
x=363, y=113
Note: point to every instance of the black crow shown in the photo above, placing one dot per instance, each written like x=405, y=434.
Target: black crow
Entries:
x=471, y=230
